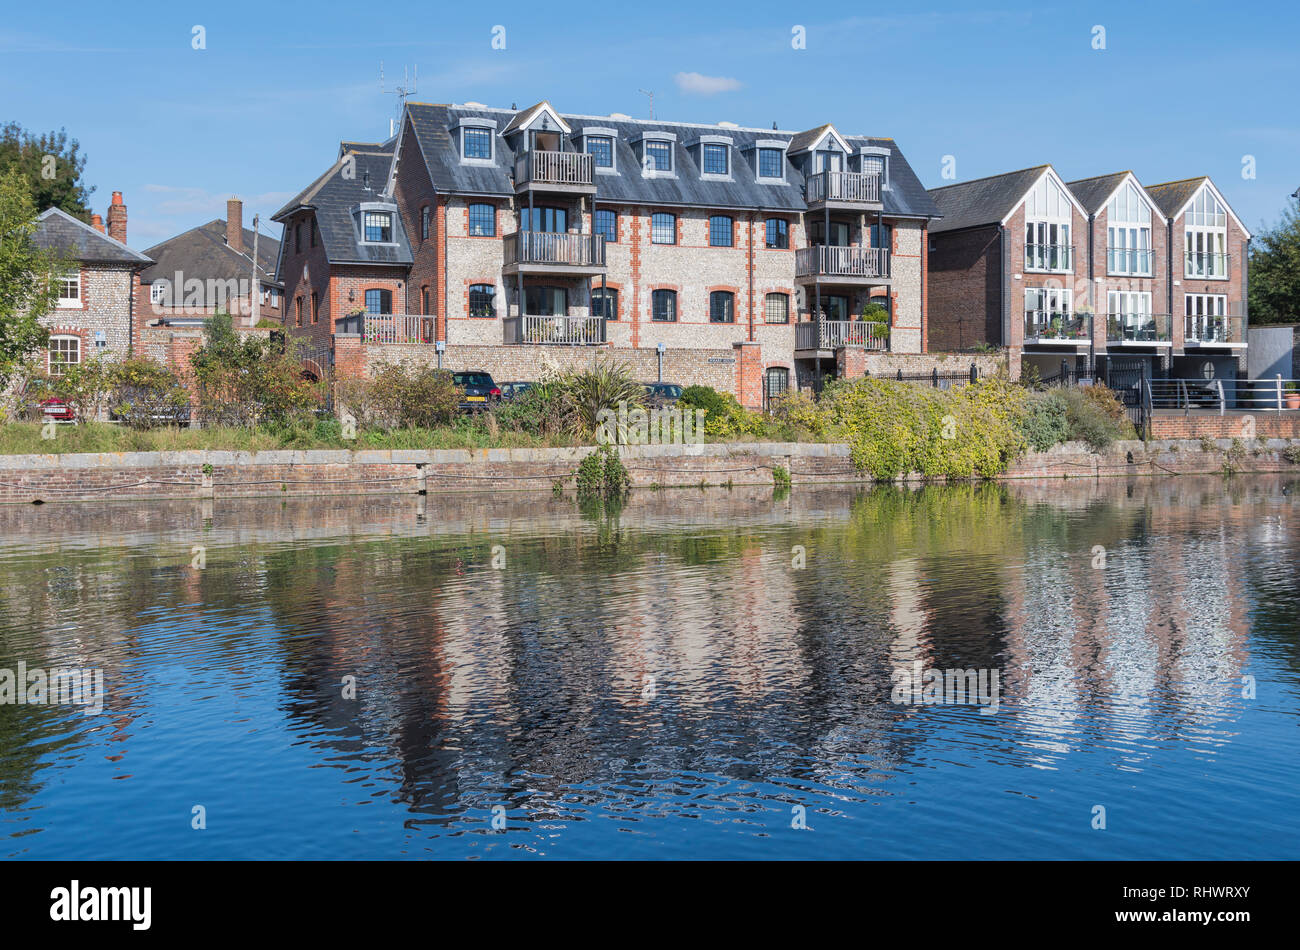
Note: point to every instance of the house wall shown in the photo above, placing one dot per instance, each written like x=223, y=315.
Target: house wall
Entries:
x=1233, y=287
x=1075, y=280
x=105, y=306
x=305, y=270
x=965, y=289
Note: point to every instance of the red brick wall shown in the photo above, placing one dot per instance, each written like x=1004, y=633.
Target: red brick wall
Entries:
x=964, y=293
x=1252, y=425
x=413, y=190
x=306, y=270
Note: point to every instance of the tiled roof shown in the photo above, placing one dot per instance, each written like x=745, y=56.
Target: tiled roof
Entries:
x=1093, y=192
x=59, y=231
x=983, y=200
x=433, y=125
x=203, y=253
x=1171, y=196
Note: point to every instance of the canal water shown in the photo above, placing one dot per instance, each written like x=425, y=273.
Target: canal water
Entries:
x=699, y=674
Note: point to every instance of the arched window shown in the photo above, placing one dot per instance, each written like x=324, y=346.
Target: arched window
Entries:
x=606, y=223
x=778, y=233
x=1047, y=227
x=720, y=231
x=663, y=306
x=604, y=303
x=424, y=301
x=722, y=307
x=482, y=300
x=482, y=220
x=663, y=228
x=377, y=301
x=776, y=308
x=65, y=351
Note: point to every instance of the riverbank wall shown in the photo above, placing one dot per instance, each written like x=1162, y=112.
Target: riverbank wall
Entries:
x=26, y=479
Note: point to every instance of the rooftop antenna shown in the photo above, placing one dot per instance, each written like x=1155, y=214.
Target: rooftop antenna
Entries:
x=652, y=101
x=404, y=91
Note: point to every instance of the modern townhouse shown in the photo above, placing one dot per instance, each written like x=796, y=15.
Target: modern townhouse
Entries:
x=95, y=312
x=520, y=240
x=1101, y=275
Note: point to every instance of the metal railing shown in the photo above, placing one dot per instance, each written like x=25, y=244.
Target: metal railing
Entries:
x=832, y=334
x=1135, y=262
x=1274, y=394
x=541, y=167
x=561, y=331
x=1208, y=330
x=548, y=247
x=1047, y=325
x=843, y=186
x=833, y=261
x=1049, y=257
x=1206, y=265
x=1139, y=328
x=388, y=327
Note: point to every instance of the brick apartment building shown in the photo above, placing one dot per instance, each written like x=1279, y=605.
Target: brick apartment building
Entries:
x=210, y=268
x=1100, y=274
x=95, y=312
x=519, y=240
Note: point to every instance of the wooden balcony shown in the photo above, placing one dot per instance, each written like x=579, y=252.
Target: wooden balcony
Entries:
x=842, y=265
x=568, y=172
x=546, y=252
x=827, y=336
x=554, y=331
x=851, y=190
x=388, y=327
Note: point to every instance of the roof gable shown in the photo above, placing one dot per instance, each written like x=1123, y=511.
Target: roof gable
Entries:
x=983, y=201
x=526, y=118
x=59, y=231
x=1174, y=197
x=810, y=140
x=203, y=253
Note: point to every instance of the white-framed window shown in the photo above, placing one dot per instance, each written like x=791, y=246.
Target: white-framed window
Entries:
x=1128, y=233
x=158, y=292
x=65, y=351
x=1206, y=233
x=1206, y=317
x=1047, y=228
x=1128, y=315
x=715, y=159
x=70, y=290
x=875, y=161
x=1049, y=312
x=658, y=155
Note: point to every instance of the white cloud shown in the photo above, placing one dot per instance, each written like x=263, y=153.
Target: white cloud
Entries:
x=702, y=85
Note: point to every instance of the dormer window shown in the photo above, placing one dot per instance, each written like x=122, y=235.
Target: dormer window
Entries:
x=601, y=150
x=875, y=161
x=714, y=159
x=771, y=163
x=477, y=142
x=378, y=227
x=659, y=156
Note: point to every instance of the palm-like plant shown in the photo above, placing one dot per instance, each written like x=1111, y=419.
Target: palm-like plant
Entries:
x=603, y=386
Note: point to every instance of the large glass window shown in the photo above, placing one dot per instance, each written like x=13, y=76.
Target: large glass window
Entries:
x=1047, y=309
x=839, y=234
x=663, y=306
x=604, y=303
x=1128, y=233
x=659, y=155
x=606, y=223
x=546, y=301
x=778, y=233
x=379, y=227
x=1128, y=316
x=65, y=351
x=882, y=236
x=377, y=301
x=722, y=307
x=771, y=163
x=477, y=142
x=714, y=159
x=663, y=229
x=482, y=300
x=776, y=308
x=1206, y=316
x=482, y=220
x=1048, y=213
x=1206, y=234
x=601, y=149
x=553, y=220
x=720, y=227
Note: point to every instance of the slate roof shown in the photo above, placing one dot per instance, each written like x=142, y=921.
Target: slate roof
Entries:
x=433, y=127
x=1093, y=192
x=345, y=146
x=203, y=253
x=1172, y=195
x=982, y=200
x=59, y=231
x=334, y=198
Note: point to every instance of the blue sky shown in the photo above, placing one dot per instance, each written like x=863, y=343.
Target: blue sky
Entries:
x=1181, y=88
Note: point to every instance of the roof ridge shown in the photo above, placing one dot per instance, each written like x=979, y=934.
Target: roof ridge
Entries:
x=1176, y=181
x=1107, y=175
x=972, y=181
x=104, y=235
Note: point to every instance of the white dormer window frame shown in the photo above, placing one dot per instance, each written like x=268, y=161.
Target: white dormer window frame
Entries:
x=70, y=290
x=476, y=123
x=762, y=145
x=657, y=138
x=867, y=154
x=365, y=208
x=598, y=132
x=727, y=144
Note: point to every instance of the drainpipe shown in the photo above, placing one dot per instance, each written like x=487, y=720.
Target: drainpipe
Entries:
x=751, y=277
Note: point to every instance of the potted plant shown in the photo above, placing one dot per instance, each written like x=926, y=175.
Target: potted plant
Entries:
x=1292, y=396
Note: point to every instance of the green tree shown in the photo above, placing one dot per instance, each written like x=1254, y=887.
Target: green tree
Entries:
x=245, y=379
x=52, y=165
x=26, y=291
x=1275, y=271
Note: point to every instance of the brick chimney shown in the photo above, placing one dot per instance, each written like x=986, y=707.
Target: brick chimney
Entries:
x=117, y=218
x=97, y=222
x=235, y=224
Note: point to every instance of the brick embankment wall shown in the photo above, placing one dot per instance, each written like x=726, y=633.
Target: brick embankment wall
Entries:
x=197, y=474
x=1241, y=425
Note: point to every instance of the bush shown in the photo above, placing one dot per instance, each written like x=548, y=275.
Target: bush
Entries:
x=584, y=395
x=402, y=396
x=724, y=417
x=244, y=380
x=602, y=474
x=148, y=395
x=1045, y=422
x=1095, y=416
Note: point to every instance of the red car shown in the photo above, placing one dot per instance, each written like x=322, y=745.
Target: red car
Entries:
x=56, y=410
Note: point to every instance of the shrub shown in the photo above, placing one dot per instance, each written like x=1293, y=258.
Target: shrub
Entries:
x=148, y=395
x=724, y=417
x=1045, y=422
x=1095, y=416
x=243, y=380
x=402, y=396
x=584, y=395
x=602, y=474
x=1292, y=454
x=780, y=476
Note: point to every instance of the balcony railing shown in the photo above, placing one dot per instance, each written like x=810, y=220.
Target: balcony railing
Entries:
x=1138, y=328
x=546, y=247
x=1206, y=330
x=1049, y=326
x=539, y=167
x=1133, y=262
x=563, y=331
x=1049, y=257
x=843, y=186
x=832, y=261
x=832, y=334
x=1206, y=265
x=388, y=327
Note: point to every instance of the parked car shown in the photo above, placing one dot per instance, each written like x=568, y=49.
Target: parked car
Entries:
x=480, y=391
x=56, y=410
x=514, y=390
x=660, y=395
